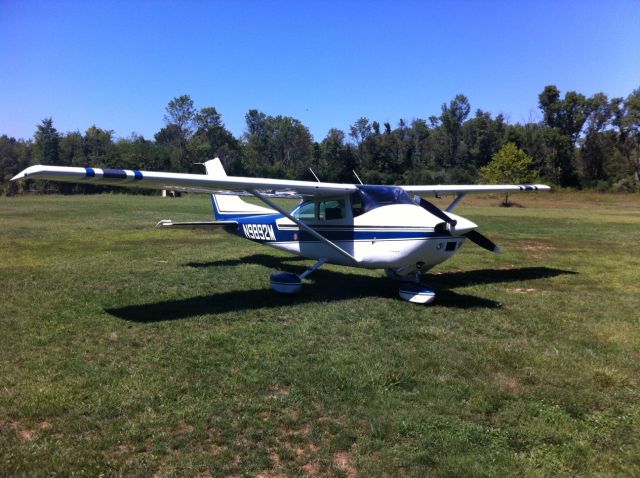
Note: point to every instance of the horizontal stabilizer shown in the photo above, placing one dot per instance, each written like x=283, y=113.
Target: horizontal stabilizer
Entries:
x=196, y=224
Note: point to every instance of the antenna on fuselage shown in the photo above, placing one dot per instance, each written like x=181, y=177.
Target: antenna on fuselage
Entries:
x=314, y=175
x=356, y=175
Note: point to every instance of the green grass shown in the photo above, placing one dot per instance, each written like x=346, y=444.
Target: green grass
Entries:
x=126, y=350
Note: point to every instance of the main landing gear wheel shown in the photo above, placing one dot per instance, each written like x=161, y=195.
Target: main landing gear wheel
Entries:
x=288, y=283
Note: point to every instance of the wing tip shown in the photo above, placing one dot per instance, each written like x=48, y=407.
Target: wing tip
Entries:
x=30, y=171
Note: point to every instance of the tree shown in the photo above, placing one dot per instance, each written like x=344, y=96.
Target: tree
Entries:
x=276, y=146
x=98, y=147
x=360, y=132
x=597, y=144
x=15, y=155
x=335, y=161
x=510, y=165
x=181, y=112
x=180, y=119
x=47, y=143
x=451, y=119
x=630, y=125
x=565, y=118
x=212, y=139
x=47, y=151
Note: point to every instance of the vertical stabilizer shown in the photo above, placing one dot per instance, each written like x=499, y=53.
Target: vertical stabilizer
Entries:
x=230, y=206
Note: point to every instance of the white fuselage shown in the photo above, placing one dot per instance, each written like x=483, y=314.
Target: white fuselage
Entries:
x=400, y=237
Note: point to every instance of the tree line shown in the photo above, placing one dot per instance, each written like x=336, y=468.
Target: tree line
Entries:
x=580, y=142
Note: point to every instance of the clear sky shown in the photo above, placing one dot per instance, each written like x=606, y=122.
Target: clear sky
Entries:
x=117, y=64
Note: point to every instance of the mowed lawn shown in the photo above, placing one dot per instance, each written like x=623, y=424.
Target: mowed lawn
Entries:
x=131, y=351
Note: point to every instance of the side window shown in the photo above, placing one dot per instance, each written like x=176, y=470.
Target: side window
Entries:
x=333, y=209
x=306, y=211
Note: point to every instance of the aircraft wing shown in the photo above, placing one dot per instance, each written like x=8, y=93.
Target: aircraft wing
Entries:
x=199, y=183
x=202, y=183
x=480, y=188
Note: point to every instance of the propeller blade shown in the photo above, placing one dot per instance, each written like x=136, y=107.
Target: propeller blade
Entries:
x=483, y=241
x=435, y=210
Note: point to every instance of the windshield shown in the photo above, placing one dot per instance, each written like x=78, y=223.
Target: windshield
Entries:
x=376, y=196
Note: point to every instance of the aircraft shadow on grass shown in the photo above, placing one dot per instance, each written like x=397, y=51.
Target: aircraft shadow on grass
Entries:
x=326, y=286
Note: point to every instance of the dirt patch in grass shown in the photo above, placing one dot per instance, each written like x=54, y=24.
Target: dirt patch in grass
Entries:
x=26, y=434
x=508, y=384
x=342, y=461
x=537, y=250
x=278, y=392
x=184, y=429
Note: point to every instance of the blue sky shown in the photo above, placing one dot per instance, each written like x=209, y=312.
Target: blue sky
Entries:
x=327, y=63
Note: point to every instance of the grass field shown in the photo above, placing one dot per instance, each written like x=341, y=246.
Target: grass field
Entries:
x=131, y=351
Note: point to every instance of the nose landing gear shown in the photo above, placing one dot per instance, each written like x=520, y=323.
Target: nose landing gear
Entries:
x=415, y=291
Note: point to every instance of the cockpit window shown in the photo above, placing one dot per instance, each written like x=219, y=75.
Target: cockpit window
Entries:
x=375, y=196
x=306, y=211
x=365, y=199
x=333, y=209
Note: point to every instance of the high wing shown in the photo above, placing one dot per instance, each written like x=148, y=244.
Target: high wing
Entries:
x=202, y=183
x=199, y=183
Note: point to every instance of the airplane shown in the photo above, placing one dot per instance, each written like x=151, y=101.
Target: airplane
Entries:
x=358, y=225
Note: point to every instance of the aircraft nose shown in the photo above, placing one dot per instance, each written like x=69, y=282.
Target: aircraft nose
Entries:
x=463, y=225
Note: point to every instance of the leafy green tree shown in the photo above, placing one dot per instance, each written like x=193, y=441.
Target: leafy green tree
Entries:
x=72, y=149
x=180, y=120
x=47, y=151
x=483, y=136
x=597, y=144
x=360, y=131
x=212, y=139
x=335, y=160
x=510, y=165
x=98, y=147
x=181, y=112
x=565, y=118
x=451, y=119
x=47, y=143
x=278, y=146
x=15, y=155
x=630, y=132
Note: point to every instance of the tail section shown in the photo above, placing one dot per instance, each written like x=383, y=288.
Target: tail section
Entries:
x=230, y=206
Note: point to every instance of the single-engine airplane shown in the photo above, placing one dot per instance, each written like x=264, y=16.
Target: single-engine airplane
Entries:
x=374, y=227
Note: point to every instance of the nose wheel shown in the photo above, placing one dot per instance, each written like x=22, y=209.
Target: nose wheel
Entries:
x=415, y=291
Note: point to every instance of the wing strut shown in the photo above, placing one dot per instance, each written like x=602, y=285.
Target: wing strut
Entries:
x=302, y=225
x=455, y=202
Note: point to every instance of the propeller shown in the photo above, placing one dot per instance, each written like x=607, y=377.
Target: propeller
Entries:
x=483, y=241
x=435, y=210
x=473, y=235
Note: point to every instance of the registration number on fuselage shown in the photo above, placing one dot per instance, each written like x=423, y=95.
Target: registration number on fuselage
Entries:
x=260, y=232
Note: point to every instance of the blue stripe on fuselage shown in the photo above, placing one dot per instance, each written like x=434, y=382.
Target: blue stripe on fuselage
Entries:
x=264, y=229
